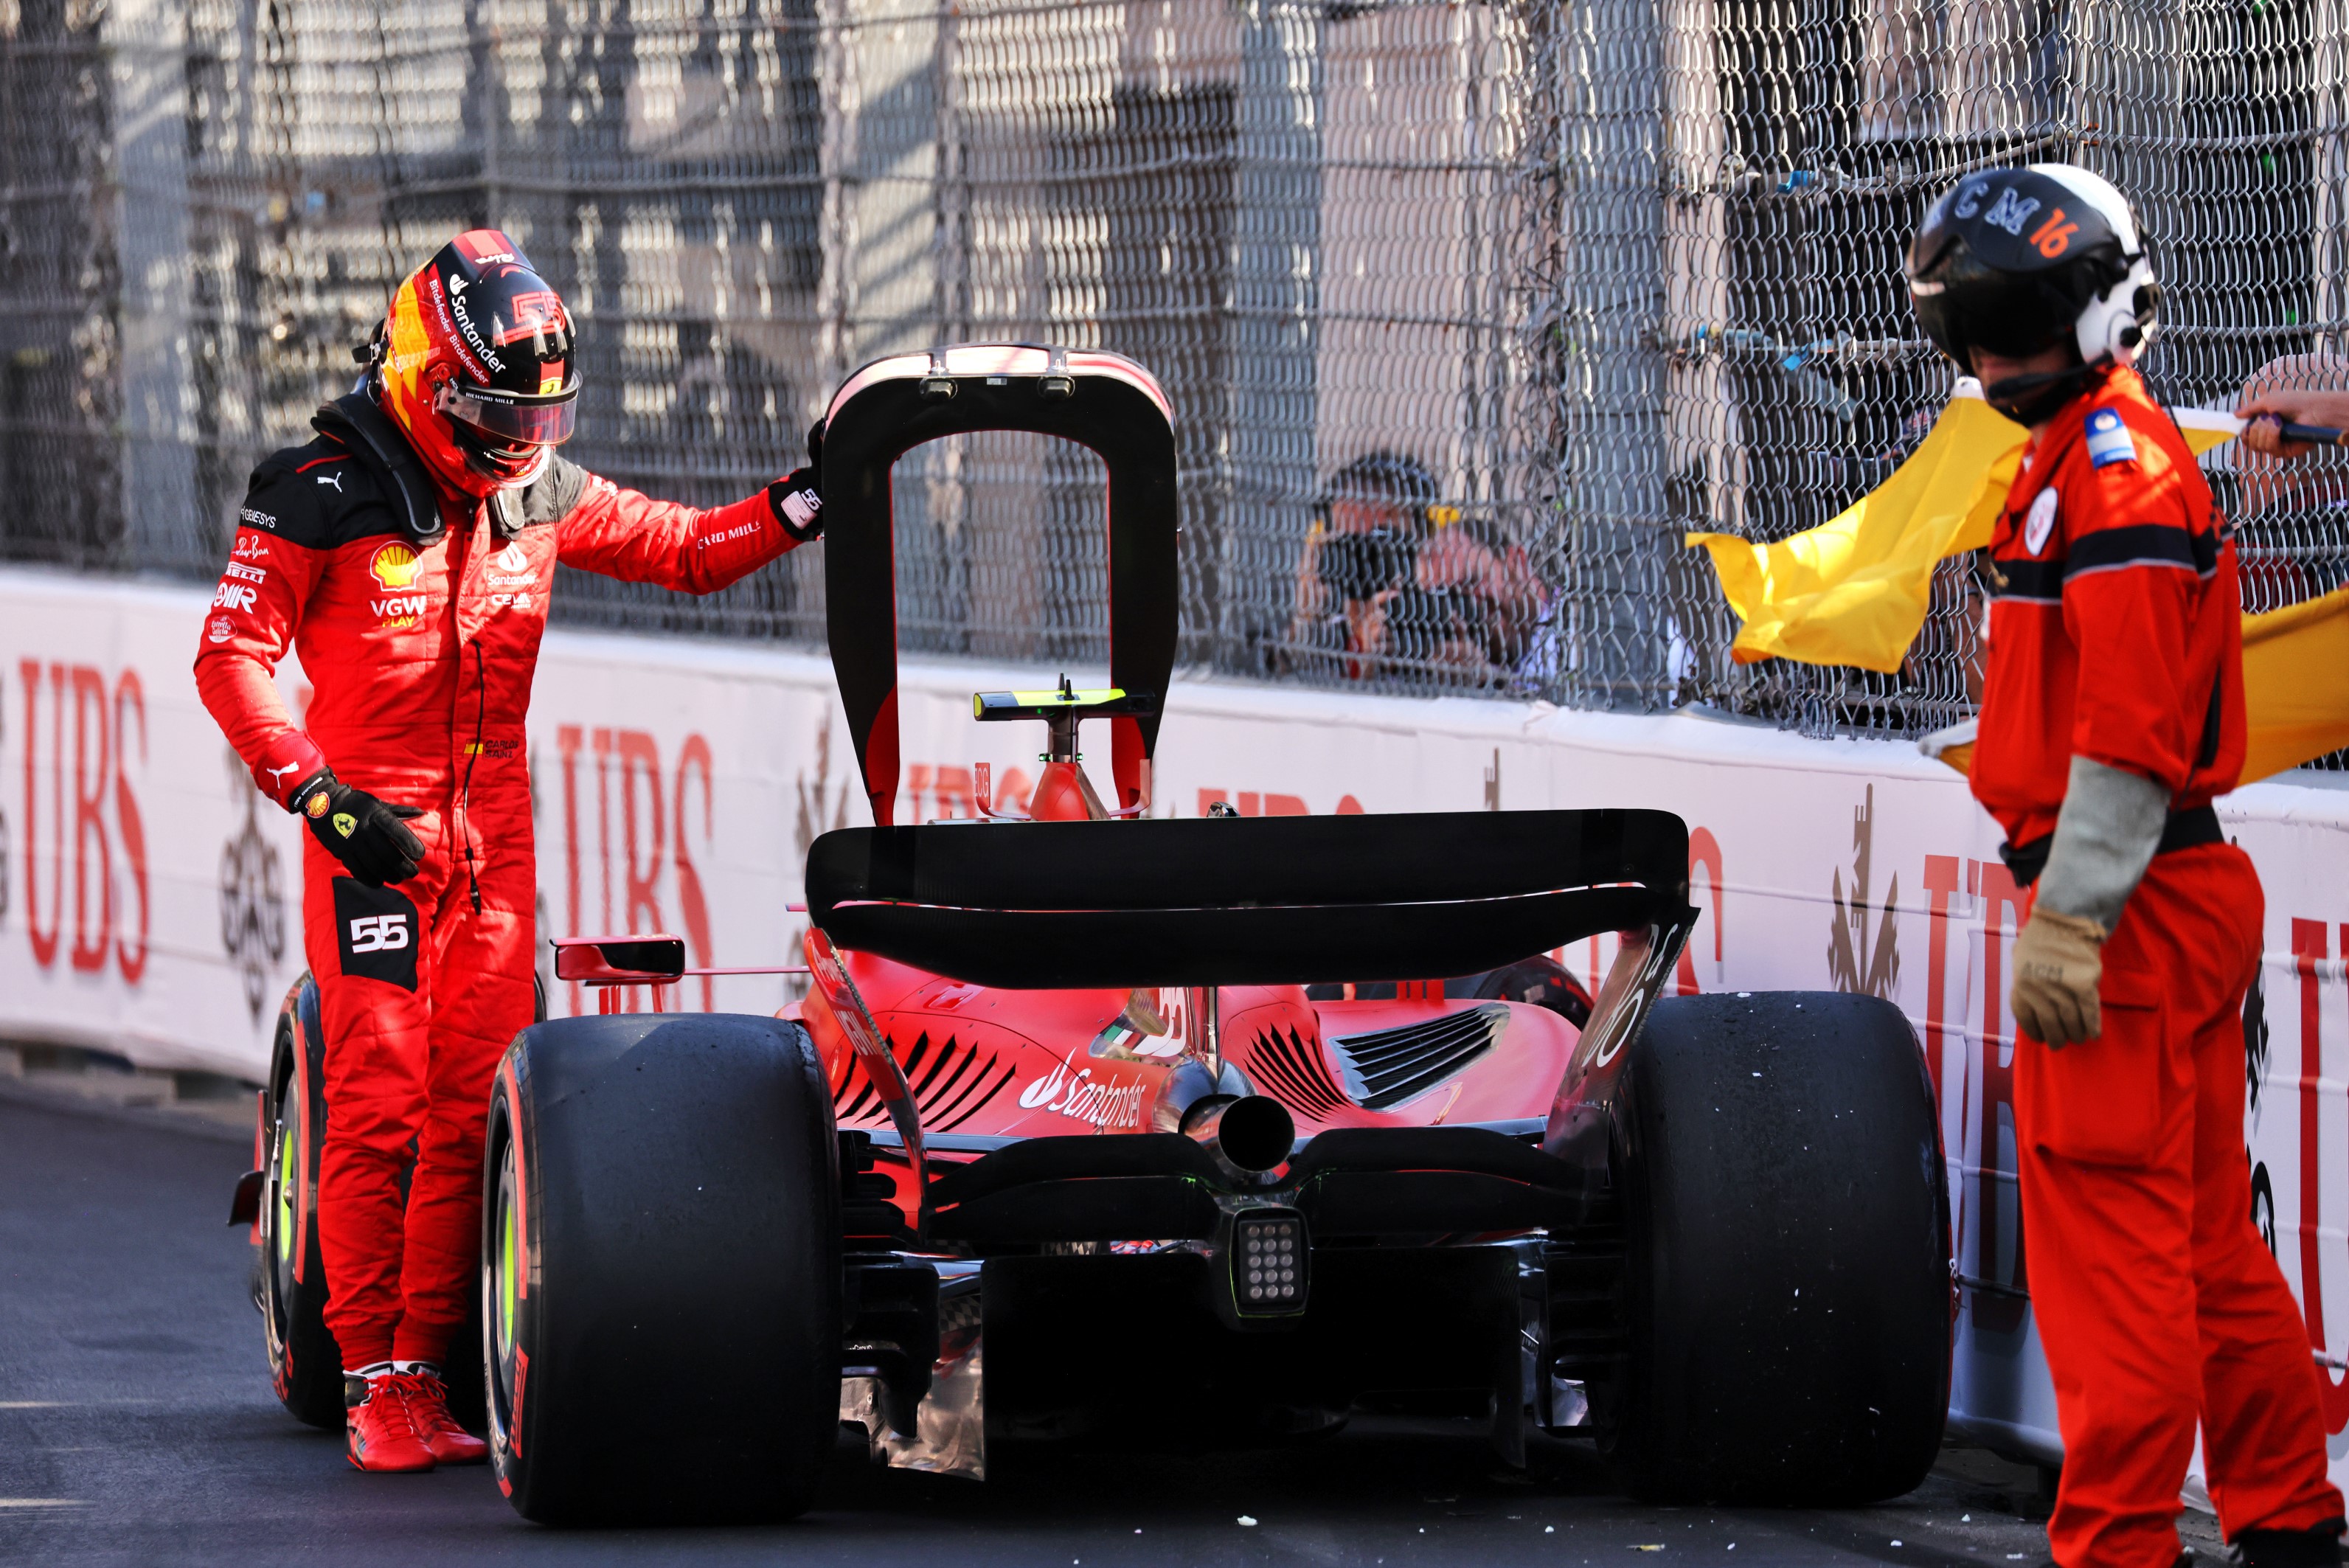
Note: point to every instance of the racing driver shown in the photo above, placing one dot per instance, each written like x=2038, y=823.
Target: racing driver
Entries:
x=407, y=552
x=2112, y=714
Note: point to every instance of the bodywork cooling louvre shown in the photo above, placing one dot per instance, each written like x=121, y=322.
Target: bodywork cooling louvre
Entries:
x=1394, y=1065
x=950, y=1083
x=1293, y=1071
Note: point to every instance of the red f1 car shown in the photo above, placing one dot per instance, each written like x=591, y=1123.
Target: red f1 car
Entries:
x=1168, y=1131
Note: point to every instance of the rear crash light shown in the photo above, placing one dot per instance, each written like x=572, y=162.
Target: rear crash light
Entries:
x=1269, y=1262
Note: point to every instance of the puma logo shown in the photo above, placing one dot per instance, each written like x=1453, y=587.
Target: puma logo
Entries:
x=333, y=479
x=275, y=773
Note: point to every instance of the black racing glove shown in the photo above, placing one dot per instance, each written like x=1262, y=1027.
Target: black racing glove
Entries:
x=368, y=836
x=798, y=503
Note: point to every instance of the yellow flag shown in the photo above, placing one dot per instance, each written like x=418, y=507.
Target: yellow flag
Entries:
x=2296, y=683
x=2296, y=702
x=1854, y=590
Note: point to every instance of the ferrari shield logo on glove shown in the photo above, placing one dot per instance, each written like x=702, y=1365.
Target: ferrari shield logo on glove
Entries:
x=376, y=933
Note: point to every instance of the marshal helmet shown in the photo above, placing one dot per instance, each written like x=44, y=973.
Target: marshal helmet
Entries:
x=2020, y=260
x=476, y=361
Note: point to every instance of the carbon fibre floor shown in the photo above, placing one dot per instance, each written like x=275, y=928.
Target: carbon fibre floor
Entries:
x=136, y=1427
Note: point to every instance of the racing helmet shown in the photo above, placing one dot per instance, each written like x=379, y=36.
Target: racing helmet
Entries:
x=477, y=362
x=2020, y=260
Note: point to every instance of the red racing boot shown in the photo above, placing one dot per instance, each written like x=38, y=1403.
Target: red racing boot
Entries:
x=380, y=1433
x=428, y=1411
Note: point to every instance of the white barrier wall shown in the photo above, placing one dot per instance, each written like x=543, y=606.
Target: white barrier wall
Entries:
x=148, y=903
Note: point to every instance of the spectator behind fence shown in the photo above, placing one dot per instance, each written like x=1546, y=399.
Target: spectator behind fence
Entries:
x=1391, y=575
x=1358, y=557
x=1489, y=600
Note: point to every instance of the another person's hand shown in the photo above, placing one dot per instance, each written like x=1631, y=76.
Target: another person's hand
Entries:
x=2269, y=412
x=2296, y=388
x=368, y=836
x=2058, y=964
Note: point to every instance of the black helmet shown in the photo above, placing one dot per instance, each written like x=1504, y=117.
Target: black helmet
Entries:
x=1382, y=476
x=2020, y=260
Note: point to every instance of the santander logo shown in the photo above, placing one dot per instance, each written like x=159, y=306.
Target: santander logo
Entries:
x=1103, y=1105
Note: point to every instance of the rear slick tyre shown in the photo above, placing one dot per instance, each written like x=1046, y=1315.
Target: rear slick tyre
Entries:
x=1787, y=1290
x=661, y=1304
x=305, y=1368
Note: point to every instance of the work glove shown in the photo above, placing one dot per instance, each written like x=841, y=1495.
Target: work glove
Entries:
x=798, y=504
x=2058, y=964
x=370, y=837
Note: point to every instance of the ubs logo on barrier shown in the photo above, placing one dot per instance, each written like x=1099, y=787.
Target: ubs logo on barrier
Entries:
x=252, y=897
x=1853, y=962
x=636, y=817
x=84, y=737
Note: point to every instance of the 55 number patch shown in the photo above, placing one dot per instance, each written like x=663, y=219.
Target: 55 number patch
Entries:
x=376, y=932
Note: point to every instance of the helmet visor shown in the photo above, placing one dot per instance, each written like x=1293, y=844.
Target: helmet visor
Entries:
x=2013, y=323
x=511, y=417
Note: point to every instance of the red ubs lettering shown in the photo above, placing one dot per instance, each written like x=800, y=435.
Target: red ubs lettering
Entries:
x=100, y=724
x=652, y=810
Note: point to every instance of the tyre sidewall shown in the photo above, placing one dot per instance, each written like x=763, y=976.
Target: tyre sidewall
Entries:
x=305, y=1364
x=1787, y=1287
x=676, y=1264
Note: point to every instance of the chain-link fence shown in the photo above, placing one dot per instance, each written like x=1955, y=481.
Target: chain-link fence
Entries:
x=1467, y=310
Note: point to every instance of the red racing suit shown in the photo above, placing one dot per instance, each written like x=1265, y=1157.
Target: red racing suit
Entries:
x=2116, y=635
x=420, y=656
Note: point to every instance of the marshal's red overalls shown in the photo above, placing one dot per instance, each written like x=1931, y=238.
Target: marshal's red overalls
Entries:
x=2116, y=635
x=420, y=658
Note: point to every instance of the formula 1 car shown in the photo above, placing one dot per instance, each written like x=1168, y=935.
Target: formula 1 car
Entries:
x=1171, y=1132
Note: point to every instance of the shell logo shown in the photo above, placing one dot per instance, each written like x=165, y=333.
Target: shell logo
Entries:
x=394, y=566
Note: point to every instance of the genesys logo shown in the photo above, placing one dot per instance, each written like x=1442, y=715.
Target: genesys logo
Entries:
x=253, y=519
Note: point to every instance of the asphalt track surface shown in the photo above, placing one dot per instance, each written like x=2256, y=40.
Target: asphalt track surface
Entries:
x=136, y=1427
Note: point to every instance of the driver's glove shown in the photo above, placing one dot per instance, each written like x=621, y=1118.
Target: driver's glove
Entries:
x=799, y=504
x=368, y=836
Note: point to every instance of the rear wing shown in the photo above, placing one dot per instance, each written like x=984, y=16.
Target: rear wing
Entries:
x=1244, y=902
x=1100, y=401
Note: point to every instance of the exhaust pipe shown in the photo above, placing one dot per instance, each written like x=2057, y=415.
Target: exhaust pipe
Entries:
x=1251, y=1133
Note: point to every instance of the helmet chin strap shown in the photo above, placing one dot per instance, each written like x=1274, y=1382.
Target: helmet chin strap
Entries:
x=2034, y=399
